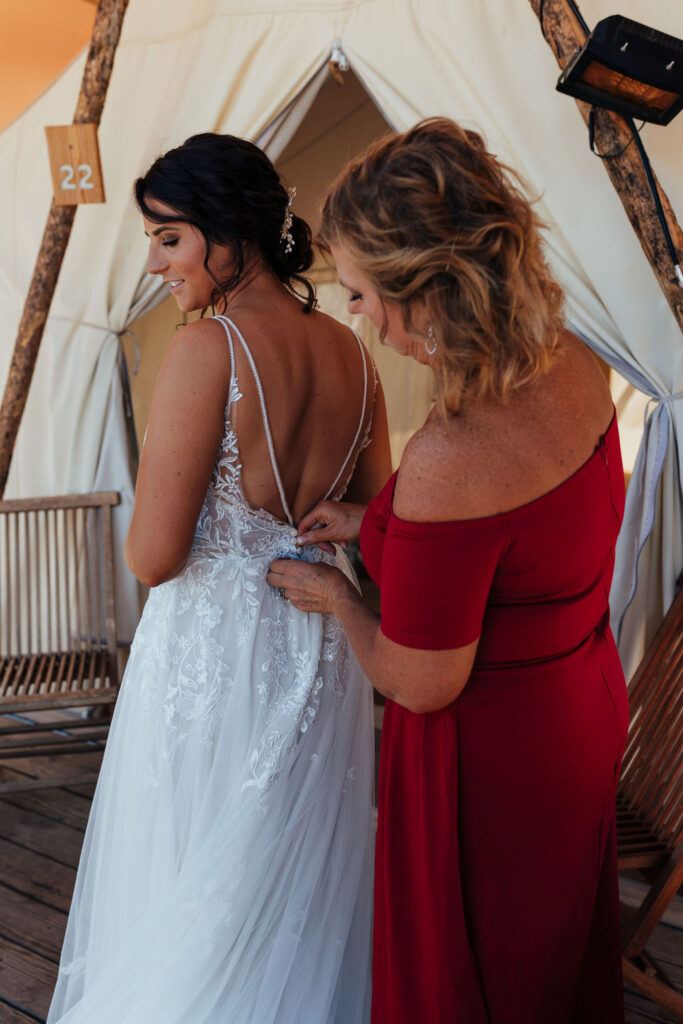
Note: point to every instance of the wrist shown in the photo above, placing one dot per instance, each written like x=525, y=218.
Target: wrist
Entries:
x=356, y=514
x=345, y=597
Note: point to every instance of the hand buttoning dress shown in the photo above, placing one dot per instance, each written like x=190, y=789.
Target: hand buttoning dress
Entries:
x=226, y=874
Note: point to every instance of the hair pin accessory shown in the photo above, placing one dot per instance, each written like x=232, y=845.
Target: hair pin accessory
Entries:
x=286, y=230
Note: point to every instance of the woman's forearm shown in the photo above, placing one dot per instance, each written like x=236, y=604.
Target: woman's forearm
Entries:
x=419, y=680
x=361, y=626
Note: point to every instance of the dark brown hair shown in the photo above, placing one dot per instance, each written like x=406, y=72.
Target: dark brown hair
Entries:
x=229, y=190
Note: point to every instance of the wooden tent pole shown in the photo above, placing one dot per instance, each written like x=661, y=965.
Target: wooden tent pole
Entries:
x=98, y=68
x=564, y=34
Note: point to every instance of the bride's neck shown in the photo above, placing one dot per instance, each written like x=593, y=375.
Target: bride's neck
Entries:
x=258, y=287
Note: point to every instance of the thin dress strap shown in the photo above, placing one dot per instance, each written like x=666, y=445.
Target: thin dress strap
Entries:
x=269, y=438
x=360, y=423
x=222, y=321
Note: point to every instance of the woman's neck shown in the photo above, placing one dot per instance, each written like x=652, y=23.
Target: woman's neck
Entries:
x=257, y=288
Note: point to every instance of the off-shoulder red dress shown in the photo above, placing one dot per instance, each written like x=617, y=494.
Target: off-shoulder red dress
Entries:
x=496, y=888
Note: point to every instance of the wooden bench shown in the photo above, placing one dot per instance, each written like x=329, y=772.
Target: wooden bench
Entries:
x=57, y=627
x=650, y=800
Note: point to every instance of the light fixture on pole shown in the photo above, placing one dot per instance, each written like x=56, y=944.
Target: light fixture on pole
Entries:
x=629, y=68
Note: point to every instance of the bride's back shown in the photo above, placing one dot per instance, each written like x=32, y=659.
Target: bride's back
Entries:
x=318, y=388
x=222, y=233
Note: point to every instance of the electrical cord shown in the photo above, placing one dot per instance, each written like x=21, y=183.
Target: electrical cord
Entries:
x=645, y=160
x=635, y=136
x=575, y=9
x=658, y=202
x=579, y=17
x=591, y=137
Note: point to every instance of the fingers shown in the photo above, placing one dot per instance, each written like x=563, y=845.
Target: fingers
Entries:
x=277, y=572
x=310, y=587
x=322, y=535
x=331, y=521
x=289, y=572
x=320, y=513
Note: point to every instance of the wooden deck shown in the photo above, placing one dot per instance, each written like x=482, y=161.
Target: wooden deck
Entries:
x=41, y=832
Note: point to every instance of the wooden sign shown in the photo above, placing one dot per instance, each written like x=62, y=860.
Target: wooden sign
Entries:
x=75, y=164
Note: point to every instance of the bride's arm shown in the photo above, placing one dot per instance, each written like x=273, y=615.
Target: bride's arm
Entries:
x=184, y=433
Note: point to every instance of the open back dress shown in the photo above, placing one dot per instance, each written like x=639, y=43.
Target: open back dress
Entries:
x=226, y=873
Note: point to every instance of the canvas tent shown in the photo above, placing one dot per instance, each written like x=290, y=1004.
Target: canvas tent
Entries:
x=252, y=68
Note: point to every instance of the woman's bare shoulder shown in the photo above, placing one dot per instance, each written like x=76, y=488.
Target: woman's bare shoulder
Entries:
x=198, y=360
x=433, y=474
x=204, y=338
x=335, y=332
x=576, y=397
x=495, y=456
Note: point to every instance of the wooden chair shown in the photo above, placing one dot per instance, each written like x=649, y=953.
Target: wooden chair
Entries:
x=57, y=627
x=650, y=800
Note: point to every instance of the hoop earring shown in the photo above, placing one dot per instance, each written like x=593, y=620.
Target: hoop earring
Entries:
x=431, y=338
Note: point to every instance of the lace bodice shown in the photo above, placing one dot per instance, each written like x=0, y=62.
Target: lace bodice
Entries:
x=228, y=525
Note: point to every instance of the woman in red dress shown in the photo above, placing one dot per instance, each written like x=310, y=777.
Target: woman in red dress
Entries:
x=493, y=547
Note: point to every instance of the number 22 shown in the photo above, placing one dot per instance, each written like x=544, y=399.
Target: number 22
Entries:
x=67, y=182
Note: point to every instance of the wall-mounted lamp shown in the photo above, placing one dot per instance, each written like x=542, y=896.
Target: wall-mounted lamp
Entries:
x=630, y=68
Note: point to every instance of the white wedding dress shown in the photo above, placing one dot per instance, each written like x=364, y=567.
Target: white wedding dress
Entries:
x=226, y=874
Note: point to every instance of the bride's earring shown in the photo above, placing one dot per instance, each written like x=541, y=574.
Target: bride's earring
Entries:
x=430, y=342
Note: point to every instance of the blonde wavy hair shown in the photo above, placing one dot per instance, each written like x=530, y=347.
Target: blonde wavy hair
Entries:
x=430, y=216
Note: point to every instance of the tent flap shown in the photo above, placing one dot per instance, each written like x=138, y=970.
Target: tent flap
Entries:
x=252, y=69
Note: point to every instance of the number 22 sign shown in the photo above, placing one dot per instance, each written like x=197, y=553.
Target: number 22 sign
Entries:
x=75, y=164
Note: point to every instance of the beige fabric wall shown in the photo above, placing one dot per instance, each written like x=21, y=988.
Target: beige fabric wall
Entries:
x=233, y=65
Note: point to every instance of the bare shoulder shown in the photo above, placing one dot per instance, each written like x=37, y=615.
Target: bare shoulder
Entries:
x=495, y=456
x=195, y=373
x=284, y=324
x=580, y=373
x=335, y=332
x=199, y=351
x=206, y=338
x=432, y=474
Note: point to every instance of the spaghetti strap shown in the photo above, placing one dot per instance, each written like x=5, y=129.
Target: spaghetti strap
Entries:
x=222, y=321
x=228, y=323
x=229, y=326
x=351, y=450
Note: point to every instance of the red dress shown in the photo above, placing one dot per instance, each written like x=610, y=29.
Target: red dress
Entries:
x=496, y=887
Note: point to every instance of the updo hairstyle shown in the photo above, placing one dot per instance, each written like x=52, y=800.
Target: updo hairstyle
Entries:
x=229, y=190
x=429, y=215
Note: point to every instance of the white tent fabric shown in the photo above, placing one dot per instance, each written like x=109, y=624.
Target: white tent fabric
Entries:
x=232, y=66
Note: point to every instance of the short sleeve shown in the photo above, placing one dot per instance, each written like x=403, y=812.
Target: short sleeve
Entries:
x=435, y=580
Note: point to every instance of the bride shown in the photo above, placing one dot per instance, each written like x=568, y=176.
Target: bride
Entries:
x=226, y=869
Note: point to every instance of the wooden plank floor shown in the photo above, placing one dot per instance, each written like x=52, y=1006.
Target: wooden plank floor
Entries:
x=41, y=833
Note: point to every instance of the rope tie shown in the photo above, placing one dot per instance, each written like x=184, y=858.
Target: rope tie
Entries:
x=107, y=330
x=661, y=400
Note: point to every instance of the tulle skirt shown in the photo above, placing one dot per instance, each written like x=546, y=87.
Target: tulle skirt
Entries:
x=226, y=872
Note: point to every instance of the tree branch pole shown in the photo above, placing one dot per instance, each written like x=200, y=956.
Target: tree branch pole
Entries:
x=564, y=35
x=98, y=68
